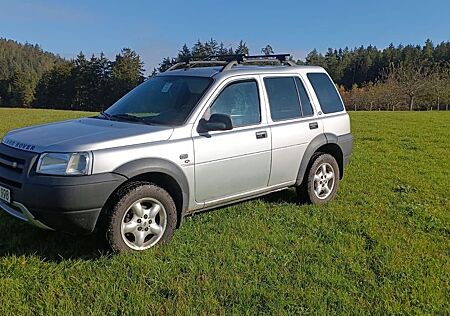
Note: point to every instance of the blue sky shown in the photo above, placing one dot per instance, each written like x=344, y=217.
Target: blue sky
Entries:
x=159, y=28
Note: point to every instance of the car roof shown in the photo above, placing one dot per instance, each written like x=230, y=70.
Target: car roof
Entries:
x=239, y=70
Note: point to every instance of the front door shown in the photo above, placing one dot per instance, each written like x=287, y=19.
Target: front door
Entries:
x=237, y=161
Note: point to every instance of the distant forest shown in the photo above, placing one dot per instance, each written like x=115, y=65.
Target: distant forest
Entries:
x=411, y=77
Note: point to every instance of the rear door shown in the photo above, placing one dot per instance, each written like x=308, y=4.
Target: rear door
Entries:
x=235, y=162
x=294, y=123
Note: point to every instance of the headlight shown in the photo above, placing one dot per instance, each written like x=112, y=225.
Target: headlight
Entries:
x=64, y=164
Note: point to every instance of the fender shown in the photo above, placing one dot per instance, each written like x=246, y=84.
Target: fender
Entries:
x=316, y=143
x=146, y=165
x=331, y=138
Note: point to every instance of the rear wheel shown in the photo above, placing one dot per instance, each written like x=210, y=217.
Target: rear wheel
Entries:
x=143, y=215
x=321, y=180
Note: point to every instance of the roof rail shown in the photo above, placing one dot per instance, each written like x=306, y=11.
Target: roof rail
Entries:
x=229, y=61
x=189, y=64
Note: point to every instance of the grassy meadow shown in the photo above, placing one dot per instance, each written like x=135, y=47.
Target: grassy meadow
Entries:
x=381, y=247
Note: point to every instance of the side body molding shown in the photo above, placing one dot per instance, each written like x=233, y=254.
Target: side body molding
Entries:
x=147, y=165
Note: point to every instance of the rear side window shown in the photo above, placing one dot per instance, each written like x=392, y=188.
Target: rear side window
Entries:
x=287, y=98
x=326, y=92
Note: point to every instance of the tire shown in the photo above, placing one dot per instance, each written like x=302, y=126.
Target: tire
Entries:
x=140, y=216
x=321, y=180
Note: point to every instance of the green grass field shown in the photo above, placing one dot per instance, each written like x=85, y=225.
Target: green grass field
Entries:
x=382, y=247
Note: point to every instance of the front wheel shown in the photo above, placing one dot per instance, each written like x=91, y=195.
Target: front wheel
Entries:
x=142, y=216
x=321, y=182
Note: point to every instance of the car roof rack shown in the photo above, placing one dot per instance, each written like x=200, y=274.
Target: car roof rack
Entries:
x=229, y=61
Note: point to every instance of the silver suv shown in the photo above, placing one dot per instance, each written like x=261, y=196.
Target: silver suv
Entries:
x=189, y=139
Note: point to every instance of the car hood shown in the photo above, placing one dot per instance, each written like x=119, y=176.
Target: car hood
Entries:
x=84, y=135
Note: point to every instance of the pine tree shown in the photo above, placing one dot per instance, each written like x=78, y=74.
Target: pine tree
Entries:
x=222, y=50
x=211, y=47
x=315, y=58
x=23, y=85
x=56, y=89
x=199, y=50
x=82, y=82
x=127, y=72
x=242, y=48
x=184, y=52
x=427, y=51
x=166, y=64
x=99, y=80
x=268, y=50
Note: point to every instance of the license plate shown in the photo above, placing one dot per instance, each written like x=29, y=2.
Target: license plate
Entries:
x=5, y=194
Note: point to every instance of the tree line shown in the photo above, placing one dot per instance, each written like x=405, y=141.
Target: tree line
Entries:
x=89, y=84
x=395, y=78
x=30, y=77
x=21, y=67
x=402, y=87
x=411, y=77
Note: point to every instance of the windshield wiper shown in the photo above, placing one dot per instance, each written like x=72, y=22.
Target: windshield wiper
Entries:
x=106, y=115
x=129, y=117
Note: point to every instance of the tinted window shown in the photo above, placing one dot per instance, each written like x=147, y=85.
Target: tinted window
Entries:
x=326, y=93
x=166, y=100
x=283, y=98
x=306, y=103
x=240, y=100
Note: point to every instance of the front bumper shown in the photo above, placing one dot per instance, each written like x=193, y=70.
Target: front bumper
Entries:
x=20, y=211
x=68, y=204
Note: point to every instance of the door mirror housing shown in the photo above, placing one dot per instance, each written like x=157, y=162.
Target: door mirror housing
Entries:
x=217, y=122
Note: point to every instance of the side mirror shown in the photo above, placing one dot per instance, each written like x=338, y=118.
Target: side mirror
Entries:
x=217, y=122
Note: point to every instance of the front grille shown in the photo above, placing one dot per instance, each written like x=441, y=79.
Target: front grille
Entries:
x=15, y=164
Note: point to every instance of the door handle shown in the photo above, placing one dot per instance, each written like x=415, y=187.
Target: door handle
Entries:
x=260, y=135
x=313, y=125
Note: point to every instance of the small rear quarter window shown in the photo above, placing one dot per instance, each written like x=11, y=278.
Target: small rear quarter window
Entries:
x=306, y=103
x=326, y=92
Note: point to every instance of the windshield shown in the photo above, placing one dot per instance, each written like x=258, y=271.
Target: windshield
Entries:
x=163, y=100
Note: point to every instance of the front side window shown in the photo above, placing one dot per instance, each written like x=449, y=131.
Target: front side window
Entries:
x=165, y=100
x=326, y=92
x=239, y=100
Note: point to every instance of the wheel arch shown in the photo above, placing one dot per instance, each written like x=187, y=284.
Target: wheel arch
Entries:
x=163, y=173
x=325, y=143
